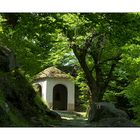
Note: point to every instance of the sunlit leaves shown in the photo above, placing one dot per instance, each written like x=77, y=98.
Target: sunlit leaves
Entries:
x=45, y=39
x=133, y=94
x=131, y=59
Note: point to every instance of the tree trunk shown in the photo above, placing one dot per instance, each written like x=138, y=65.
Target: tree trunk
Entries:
x=96, y=95
x=94, y=85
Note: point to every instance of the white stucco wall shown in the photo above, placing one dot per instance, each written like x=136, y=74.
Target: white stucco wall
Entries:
x=51, y=82
x=47, y=91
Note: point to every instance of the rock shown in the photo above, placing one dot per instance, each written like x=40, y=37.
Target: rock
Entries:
x=53, y=115
x=100, y=110
x=115, y=122
x=19, y=103
x=7, y=59
x=103, y=114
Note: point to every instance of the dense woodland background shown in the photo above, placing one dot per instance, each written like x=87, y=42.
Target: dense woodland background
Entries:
x=100, y=50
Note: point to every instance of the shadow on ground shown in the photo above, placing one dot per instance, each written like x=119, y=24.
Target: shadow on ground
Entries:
x=73, y=119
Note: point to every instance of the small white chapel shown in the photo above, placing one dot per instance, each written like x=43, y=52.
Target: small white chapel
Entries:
x=56, y=88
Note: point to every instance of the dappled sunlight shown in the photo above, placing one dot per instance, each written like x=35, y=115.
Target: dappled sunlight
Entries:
x=67, y=118
x=73, y=119
x=80, y=61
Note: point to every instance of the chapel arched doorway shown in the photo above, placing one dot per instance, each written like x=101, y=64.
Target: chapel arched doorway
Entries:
x=39, y=90
x=60, y=96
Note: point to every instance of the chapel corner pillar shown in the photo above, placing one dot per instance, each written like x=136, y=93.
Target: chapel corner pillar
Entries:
x=70, y=107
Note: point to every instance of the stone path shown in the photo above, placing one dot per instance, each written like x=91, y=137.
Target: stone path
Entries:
x=73, y=119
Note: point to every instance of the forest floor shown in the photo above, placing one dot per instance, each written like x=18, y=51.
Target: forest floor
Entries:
x=73, y=119
x=79, y=119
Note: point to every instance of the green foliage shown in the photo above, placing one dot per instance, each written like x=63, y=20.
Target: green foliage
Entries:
x=98, y=41
x=82, y=91
x=20, y=106
x=131, y=60
x=133, y=94
x=36, y=41
x=41, y=40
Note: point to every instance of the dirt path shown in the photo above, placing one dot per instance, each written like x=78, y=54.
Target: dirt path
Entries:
x=78, y=119
x=73, y=119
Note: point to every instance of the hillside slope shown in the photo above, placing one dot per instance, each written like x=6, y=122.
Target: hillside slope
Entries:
x=19, y=103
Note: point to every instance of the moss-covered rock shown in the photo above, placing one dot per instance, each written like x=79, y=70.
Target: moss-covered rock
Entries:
x=19, y=103
x=107, y=115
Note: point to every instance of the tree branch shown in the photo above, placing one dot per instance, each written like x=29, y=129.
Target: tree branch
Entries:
x=82, y=60
x=115, y=58
x=110, y=74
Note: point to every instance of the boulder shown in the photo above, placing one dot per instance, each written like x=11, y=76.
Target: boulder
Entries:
x=7, y=59
x=115, y=122
x=20, y=105
x=53, y=115
x=100, y=110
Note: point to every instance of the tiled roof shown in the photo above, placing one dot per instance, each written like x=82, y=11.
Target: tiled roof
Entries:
x=52, y=72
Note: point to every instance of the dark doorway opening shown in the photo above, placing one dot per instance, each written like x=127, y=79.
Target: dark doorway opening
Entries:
x=60, y=97
x=39, y=90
